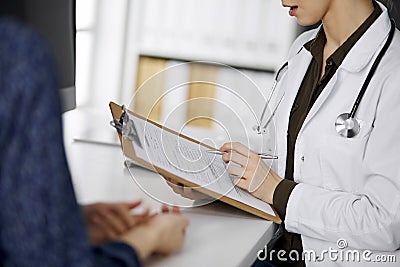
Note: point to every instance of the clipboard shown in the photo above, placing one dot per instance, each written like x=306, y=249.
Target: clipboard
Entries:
x=119, y=118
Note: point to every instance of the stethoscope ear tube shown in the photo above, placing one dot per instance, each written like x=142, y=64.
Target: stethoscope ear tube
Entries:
x=278, y=76
x=276, y=81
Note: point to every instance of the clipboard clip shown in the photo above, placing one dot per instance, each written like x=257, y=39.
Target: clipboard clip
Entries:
x=126, y=127
x=119, y=124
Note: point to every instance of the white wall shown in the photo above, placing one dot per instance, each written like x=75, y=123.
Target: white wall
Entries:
x=245, y=33
x=255, y=34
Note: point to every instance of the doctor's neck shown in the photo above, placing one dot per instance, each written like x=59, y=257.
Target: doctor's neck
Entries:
x=343, y=18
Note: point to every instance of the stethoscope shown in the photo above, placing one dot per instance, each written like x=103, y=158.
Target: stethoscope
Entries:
x=346, y=124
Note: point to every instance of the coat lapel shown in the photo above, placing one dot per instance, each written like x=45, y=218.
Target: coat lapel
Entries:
x=320, y=100
x=359, y=57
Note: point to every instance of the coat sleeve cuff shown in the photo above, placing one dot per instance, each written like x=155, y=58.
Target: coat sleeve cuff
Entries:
x=281, y=196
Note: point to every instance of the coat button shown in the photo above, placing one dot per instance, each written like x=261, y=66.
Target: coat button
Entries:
x=302, y=158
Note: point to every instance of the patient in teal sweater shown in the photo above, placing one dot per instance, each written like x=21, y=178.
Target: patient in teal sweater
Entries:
x=41, y=223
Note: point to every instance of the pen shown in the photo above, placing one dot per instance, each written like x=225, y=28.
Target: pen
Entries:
x=262, y=155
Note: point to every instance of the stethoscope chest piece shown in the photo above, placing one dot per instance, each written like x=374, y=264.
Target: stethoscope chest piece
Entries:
x=347, y=126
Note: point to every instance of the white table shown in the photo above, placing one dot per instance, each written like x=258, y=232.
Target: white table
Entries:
x=218, y=234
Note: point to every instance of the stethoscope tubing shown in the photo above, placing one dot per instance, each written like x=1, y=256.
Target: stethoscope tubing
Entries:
x=278, y=76
x=276, y=80
x=373, y=70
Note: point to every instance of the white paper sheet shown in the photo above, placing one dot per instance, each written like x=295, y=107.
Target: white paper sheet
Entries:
x=188, y=160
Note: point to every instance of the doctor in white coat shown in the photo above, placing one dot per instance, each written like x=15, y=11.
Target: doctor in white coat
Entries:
x=346, y=192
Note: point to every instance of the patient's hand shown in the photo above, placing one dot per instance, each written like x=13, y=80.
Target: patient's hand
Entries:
x=108, y=221
x=163, y=233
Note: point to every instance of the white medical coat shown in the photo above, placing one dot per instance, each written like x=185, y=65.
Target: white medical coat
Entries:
x=348, y=188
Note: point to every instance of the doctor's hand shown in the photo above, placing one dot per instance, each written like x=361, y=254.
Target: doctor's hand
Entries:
x=185, y=191
x=254, y=175
x=108, y=221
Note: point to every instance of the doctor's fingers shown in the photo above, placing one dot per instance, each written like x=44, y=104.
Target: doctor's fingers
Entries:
x=182, y=190
x=175, y=187
x=248, y=171
x=242, y=183
x=248, y=185
x=236, y=170
x=236, y=158
x=238, y=147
